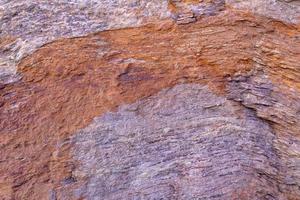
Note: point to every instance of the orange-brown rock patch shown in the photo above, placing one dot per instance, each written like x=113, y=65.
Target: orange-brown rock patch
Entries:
x=68, y=82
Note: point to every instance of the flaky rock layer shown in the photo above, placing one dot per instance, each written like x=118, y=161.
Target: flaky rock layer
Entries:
x=149, y=99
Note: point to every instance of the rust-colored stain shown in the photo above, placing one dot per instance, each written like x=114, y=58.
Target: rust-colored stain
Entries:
x=6, y=41
x=68, y=82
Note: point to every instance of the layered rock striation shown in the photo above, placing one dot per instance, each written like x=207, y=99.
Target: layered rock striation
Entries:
x=178, y=99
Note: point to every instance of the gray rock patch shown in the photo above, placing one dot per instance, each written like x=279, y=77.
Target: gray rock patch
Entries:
x=183, y=143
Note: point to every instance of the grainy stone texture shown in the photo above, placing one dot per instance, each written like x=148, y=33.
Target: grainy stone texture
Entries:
x=27, y=25
x=183, y=143
x=283, y=10
x=280, y=108
x=34, y=23
x=67, y=90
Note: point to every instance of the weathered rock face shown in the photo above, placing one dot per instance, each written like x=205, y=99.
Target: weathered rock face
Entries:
x=178, y=99
x=183, y=142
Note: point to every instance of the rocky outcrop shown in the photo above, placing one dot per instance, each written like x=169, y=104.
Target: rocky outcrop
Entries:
x=149, y=99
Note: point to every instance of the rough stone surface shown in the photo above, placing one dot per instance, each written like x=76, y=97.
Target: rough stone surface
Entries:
x=32, y=24
x=79, y=78
x=283, y=10
x=27, y=25
x=183, y=143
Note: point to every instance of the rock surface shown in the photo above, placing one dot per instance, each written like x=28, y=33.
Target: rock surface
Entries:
x=178, y=99
x=185, y=142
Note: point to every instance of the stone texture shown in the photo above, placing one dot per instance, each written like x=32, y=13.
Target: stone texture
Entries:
x=64, y=85
x=183, y=143
x=28, y=25
x=283, y=10
x=279, y=106
x=32, y=24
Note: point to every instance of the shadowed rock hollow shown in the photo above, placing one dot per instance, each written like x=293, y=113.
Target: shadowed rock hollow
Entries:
x=149, y=99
